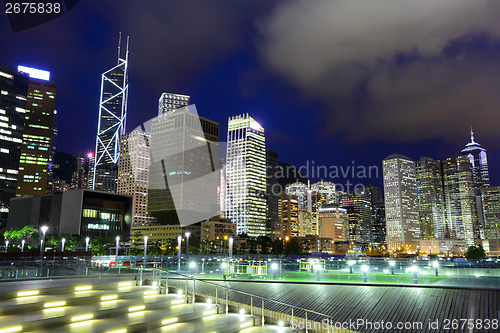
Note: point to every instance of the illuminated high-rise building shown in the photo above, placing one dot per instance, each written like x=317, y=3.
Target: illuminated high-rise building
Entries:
x=378, y=224
x=80, y=176
x=168, y=102
x=460, y=200
x=246, y=175
x=401, y=208
x=431, y=199
x=288, y=212
x=37, y=135
x=133, y=174
x=491, y=211
x=13, y=97
x=479, y=161
x=332, y=223
x=358, y=208
x=112, y=124
x=184, y=172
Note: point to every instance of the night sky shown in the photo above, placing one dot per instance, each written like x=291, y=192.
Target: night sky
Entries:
x=330, y=81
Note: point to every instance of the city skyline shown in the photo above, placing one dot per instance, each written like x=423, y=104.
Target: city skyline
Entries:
x=240, y=77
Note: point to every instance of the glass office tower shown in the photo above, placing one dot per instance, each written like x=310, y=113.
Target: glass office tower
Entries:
x=246, y=203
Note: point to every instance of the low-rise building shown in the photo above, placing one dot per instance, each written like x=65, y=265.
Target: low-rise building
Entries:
x=78, y=211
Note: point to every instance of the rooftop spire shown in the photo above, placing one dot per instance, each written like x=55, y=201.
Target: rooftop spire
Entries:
x=471, y=135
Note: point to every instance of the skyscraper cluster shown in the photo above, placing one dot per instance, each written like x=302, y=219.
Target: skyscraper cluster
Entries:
x=448, y=201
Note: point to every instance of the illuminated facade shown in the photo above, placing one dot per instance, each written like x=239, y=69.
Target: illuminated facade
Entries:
x=460, y=200
x=288, y=211
x=401, y=209
x=302, y=192
x=378, y=224
x=80, y=211
x=491, y=211
x=81, y=174
x=13, y=96
x=246, y=175
x=479, y=161
x=168, y=102
x=133, y=174
x=358, y=209
x=333, y=223
x=431, y=199
x=184, y=172
x=326, y=191
x=112, y=124
x=37, y=135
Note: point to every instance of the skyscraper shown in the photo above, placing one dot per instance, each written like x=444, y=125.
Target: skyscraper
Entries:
x=358, y=208
x=112, y=124
x=401, y=209
x=81, y=175
x=431, y=206
x=184, y=172
x=273, y=189
x=491, y=211
x=477, y=157
x=460, y=199
x=168, y=102
x=133, y=173
x=13, y=97
x=378, y=224
x=37, y=135
x=479, y=161
x=288, y=211
x=246, y=175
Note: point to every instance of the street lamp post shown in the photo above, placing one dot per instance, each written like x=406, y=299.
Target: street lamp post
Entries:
x=87, y=244
x=117, y=245
x=436, y=265
x=392, y=264
x=192, y=265
x=179, y=243
x=274, y=267
x=318, y=271
x=42, y=244
x=231, y=246
x=22, y=245
x=44, y=230
x=145, y=246
x=224, y=265
x=350, y=263
x=62, y=245
x=415, y=274
x=6, y=245
x=364, y=269
x=187, y=243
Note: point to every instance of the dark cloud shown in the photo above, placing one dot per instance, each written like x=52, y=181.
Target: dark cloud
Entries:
x=391, y=70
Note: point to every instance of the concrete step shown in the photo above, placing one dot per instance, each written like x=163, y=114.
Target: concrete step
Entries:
x=99, y=309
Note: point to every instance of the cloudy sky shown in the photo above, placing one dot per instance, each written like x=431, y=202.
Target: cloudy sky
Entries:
x=331, y=81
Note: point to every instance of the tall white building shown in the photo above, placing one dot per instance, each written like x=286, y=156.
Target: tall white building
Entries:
x=133, y=173
x=168, y=102
x=246, y=203
x=401, y=208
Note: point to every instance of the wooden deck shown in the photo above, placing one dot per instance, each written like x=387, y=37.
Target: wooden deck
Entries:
x=371, y=303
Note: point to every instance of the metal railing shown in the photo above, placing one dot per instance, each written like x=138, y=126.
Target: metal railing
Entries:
x=294, y=309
